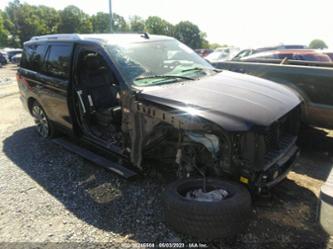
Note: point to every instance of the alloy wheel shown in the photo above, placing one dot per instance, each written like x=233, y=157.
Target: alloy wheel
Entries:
x=42, y=124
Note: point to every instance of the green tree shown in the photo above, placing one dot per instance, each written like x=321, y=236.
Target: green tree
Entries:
x=317, y=44
x=189, y=34
x=9, y=27
x=119, y=23
x=7, y=23
x=101, y=22
x=158, y=26
x=4, y=34
x=74, y=20
x=137, y=24
x=20, y=22
x=204, y=41
x=26, y=21
x=10, y=16
x=49, y=17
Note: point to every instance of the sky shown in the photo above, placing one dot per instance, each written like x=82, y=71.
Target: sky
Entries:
x=243, y=23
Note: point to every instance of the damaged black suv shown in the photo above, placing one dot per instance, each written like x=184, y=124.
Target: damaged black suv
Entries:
x=146, y=96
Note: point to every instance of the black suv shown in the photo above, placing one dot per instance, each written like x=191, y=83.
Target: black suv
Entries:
x=145, y=96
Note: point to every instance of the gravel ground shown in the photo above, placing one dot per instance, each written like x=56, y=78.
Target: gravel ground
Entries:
x=48, y=194
x=7, y=74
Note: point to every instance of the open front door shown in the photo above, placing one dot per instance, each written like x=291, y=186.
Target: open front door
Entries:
x=97, y=99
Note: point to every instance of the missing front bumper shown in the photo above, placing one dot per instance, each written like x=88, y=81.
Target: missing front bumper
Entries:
x=278, y=170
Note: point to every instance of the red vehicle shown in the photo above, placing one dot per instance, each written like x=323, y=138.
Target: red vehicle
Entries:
x=298, y=54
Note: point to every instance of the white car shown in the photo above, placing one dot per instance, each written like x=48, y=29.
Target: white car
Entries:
x=222, y=54
x=16, y=58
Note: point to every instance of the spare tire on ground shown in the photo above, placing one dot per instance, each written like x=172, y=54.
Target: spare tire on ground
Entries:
x=222, y=211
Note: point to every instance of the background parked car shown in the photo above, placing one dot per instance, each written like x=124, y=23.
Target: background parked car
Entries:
x=311, y=80
x=222, y=54
x=299, y=54
x=217, y=56
x=248, y=52
x=12, y=51
x=3, y=58
x=204, y=52
x=16, y=58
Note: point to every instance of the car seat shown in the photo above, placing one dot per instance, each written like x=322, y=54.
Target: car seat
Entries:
x=100, y=91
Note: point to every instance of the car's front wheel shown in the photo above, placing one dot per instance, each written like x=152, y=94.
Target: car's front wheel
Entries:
x=43, y=126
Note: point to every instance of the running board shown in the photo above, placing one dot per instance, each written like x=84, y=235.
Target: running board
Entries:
x=95, y=158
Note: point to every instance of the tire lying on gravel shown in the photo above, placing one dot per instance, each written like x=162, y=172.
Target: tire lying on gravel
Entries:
x=207, y=219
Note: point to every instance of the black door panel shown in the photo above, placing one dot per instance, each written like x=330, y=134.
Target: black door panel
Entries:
x=45, y=71
x=53, y=96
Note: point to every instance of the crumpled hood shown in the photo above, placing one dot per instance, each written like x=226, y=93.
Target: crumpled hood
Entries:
x=234, y=101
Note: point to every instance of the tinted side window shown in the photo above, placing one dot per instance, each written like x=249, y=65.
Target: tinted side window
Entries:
x=33, y=57
x=26, y=57
x=38, y=58
x=58, y=61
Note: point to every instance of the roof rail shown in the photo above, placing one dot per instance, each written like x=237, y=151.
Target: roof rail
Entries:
x=56, y=37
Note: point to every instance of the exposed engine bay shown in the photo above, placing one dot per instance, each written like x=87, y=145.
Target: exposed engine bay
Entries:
x=200, y=148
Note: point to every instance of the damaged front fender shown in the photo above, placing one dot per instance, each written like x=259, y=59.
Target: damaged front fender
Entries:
x=210, y=141
x=143, y=118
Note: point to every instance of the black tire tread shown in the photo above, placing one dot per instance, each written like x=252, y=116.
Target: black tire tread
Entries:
x=208, y=220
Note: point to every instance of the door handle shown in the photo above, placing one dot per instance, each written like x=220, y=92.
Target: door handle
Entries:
x=79, y=94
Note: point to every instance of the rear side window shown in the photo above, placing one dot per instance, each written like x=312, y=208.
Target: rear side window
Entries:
x=58, y=61
x=33, y=57
x=26, y=55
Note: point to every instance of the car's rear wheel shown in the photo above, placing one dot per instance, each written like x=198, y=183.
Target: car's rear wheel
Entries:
x=43, y=126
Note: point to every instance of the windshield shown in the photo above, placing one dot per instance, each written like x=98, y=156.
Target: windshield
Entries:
x=157, y=62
